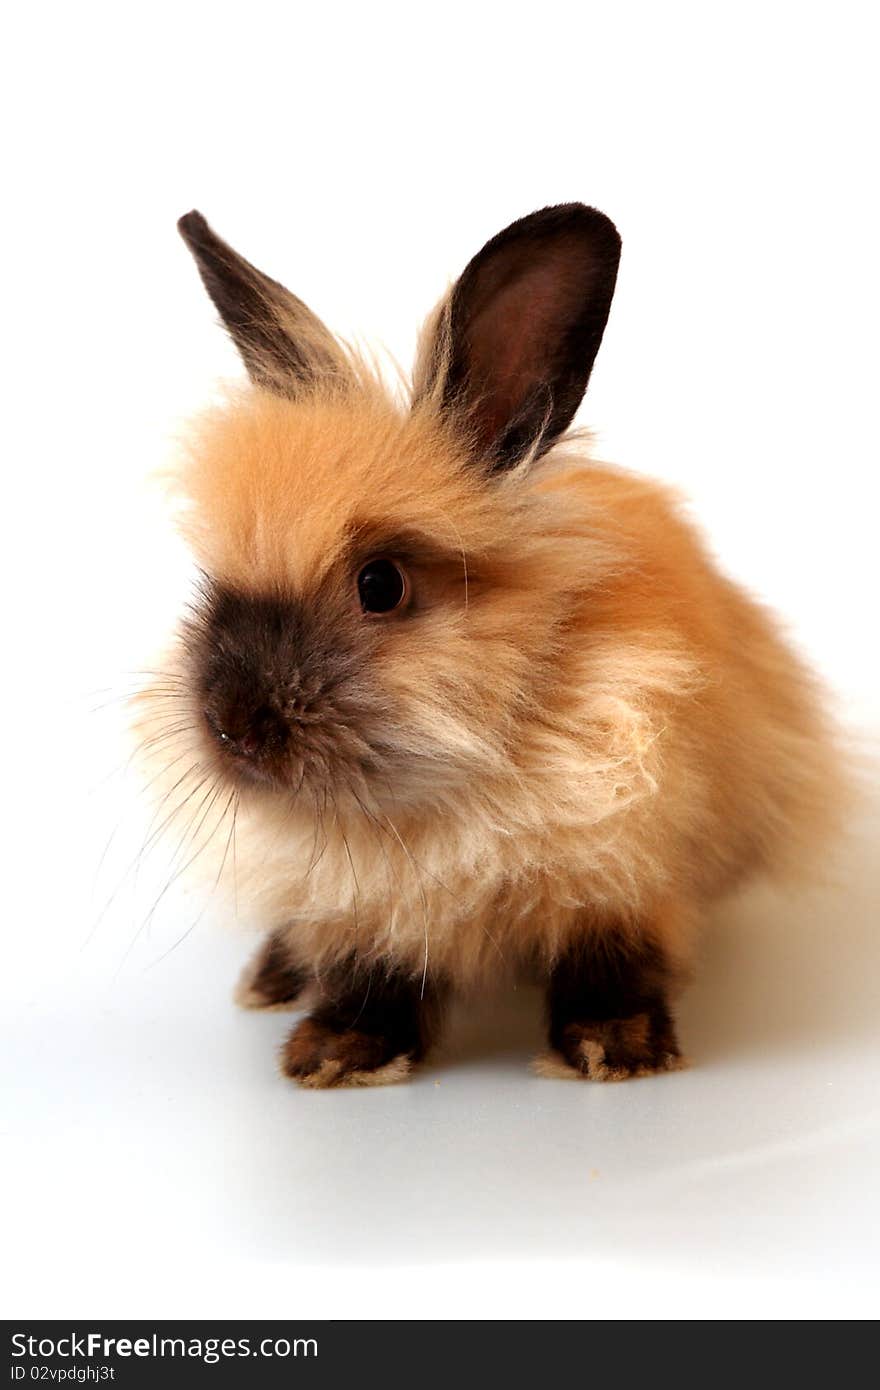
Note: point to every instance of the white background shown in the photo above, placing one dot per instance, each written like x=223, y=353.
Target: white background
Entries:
x=155, y=1164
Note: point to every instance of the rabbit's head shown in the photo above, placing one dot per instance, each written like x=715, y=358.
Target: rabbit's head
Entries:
x=384, y=585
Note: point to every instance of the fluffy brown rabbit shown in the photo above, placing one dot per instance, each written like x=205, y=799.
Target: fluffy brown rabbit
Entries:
x=463, y=700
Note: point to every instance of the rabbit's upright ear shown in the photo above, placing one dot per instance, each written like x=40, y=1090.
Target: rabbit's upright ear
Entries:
x=284, y=346
x=511, y=349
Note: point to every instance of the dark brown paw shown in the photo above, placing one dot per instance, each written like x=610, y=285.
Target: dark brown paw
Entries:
x=319, y=1055
x=270, y=981
x=614, y=1049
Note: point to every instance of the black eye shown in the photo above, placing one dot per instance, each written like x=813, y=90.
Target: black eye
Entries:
x=381, y=586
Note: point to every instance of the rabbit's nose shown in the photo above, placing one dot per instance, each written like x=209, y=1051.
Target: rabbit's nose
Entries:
x=264, y=730
x=249, y=734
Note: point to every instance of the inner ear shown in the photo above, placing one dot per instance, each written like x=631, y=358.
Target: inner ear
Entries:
x=516, y=345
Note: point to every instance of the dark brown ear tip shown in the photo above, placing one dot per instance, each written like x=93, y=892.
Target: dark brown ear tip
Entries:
x=580, y=218
x=562, y=225
x=193, y=228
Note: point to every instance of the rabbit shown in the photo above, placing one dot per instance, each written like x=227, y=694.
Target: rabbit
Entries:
x=466, y=703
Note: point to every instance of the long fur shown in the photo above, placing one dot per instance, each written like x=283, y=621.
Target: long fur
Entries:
x=598, y=727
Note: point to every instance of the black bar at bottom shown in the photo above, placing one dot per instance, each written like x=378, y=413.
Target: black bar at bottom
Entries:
x=413, y=1354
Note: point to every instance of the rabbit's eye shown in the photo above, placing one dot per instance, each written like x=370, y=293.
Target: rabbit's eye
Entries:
x=382, y=586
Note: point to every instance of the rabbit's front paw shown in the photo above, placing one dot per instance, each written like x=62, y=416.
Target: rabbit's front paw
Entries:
x=616, y=1049
x=319, y=1055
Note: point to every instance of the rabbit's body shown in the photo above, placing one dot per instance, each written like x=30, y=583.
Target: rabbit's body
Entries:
x=568, y=736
